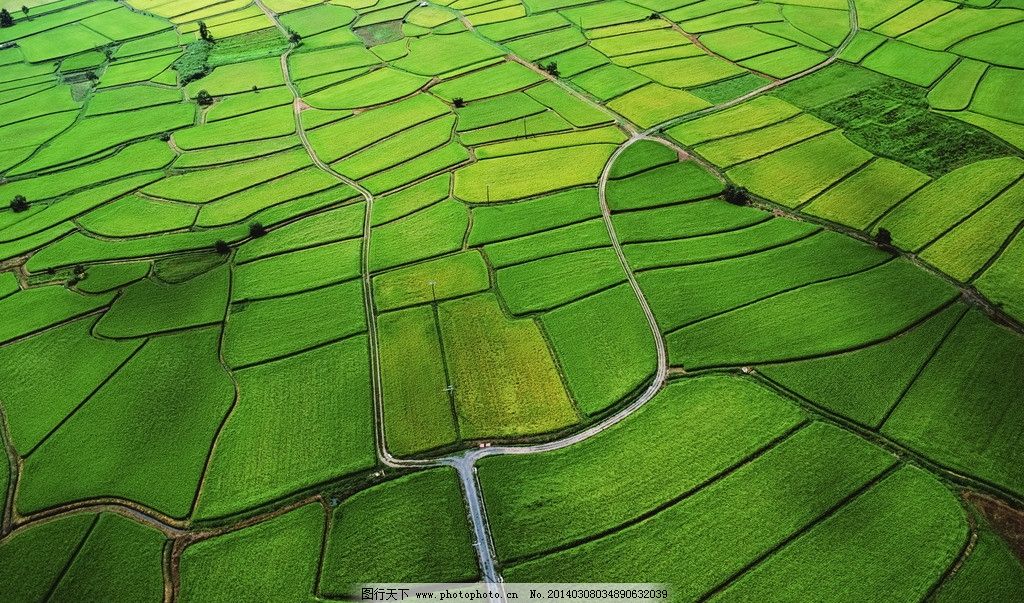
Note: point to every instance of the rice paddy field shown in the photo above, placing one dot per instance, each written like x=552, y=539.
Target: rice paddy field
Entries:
x=302, y=295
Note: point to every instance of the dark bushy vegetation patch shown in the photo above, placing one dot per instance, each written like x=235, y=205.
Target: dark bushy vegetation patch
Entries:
x=380, y=33
x=257, y=230
x=192, y=64
x=737, y=195
x=890, y=118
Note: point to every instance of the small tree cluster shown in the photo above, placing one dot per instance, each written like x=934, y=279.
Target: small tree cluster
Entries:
x=204, y=98
x=78, y=275
x=24, y=9
x=737, y=195
x=884, y=238
x=294, y=37
x=204, y=32
x=459, y=102
x=653, y=17
x=222, y=247
x=257, y=230
x=6, y=20
x=551, y=68
x=19, y=204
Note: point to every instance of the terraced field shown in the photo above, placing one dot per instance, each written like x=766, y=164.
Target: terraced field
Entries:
x=298, y=295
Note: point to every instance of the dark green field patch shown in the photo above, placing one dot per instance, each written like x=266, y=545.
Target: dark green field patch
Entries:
x=891, y=118
x=414, y=526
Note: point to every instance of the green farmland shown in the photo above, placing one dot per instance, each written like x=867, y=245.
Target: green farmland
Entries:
x=298, y=296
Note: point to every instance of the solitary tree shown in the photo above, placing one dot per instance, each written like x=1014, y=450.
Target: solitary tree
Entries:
x=204, y=32
x=255, y=89
x=737, y=195
x=294, y=37
x=19, y=204
x=551, y=68
x=883, y=237
x=6, y=20
x=203, y=98
x=257, y=230
x=24, y=9
x=459, y=102
x=222, y=247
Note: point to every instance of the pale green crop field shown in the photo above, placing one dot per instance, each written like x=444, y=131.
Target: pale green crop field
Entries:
x=300, y=295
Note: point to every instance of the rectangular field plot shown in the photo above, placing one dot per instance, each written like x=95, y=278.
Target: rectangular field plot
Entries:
x=574, y=237
x=797, y=173
x=549, y=282
x=504, y=378
x=962, y=410
x=716, y=287
x=866, y=384
x=297, y=423
x=278, y=558
x=741, y=241
x=909, y=63
x=744, y=147
x=968, y=247
x=277, y=327
x=693, y=430
x=751, y=115
x=665, y=185
x=530, y=174
x=510, y=220
x=829, y=316
x=443, y=278
x=911, y=523
x=415, y=524
x=433, y=231
x=297, y=271
x=587, y=333
x=112, y=457
x=702, y=537
x=655, y=104
x=684, y=220
x=418, y=406
x=867, y=194
x=941, y=205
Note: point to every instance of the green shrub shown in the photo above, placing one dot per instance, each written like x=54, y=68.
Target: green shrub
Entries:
x=257, y=230
x=204, y=32
x=737, y=195
x=192, y=64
